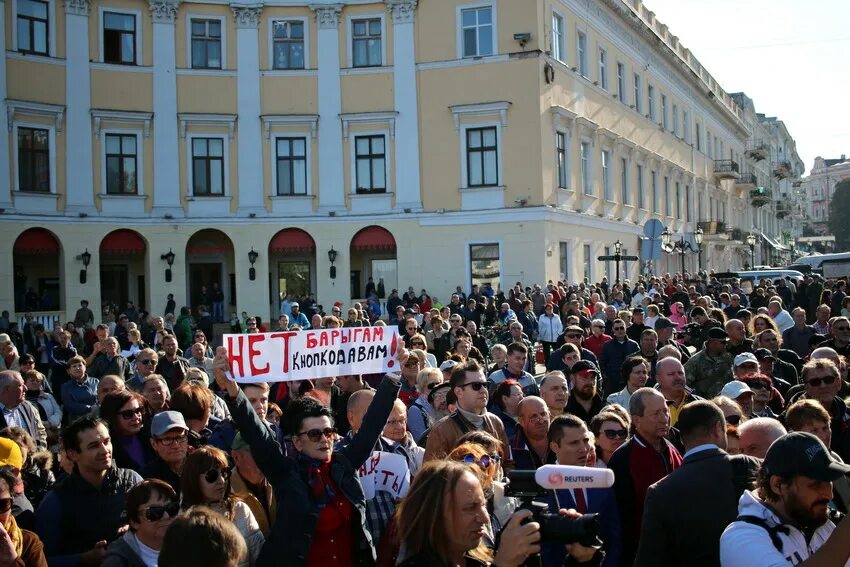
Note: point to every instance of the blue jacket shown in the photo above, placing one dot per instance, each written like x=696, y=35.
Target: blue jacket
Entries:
x=79, y=398
x=611, y=362
x=600, y=501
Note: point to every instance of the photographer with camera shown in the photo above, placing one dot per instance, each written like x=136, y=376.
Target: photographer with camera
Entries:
x=443, y=518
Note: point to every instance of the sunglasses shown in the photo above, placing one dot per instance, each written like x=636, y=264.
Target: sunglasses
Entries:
x=156, y=513
x=129, y=413
x=484, y=462
x=574, y=336
x=212, y=475
x=476, y=386
x=432, y=385
x=316, y=435
x=818, y=381
x=759, y=385
x=146, y=361
x=616, y=433
x=5, y=505
x=733, y=419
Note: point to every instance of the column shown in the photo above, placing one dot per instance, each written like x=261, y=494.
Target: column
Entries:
x=166, y=156
x=407, y=177
x=79, y=179
x=249, y=153
x=5, y=174
x=331, y=185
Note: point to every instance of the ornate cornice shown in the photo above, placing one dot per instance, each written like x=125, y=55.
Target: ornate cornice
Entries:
x=247, y=16
x=403, y=11
x=78, y=7
x=163, y=10
x=327, y=15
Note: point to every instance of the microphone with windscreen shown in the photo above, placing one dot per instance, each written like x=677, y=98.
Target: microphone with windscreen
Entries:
x=558, y=477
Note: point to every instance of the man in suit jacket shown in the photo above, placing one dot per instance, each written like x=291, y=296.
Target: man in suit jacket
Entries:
x=16, y=411
x=569, y=439
x=686, y=512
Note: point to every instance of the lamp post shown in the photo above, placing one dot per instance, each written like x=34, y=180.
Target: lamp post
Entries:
x=85, y=258
x=682, y=246
x=332, y=257
x=618, y=248
x=169, y=259
x=252, y=257
x=751, y=242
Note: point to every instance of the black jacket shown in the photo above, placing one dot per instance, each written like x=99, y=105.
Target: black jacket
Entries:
x=102, y=366
x=686, y=512
x=298, y=513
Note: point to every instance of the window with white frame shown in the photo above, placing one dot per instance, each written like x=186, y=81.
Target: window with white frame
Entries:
x=485, y=265
x=624, y=180
x=664, y=122
x=675, y=119
x=653, y=176
x=561, y=158
x=291, y=163
x=370, y=163
x=621, y=82
x=206, y=43
x=640, y=196
x=638, y=94
x=122, y=158
x=564, y=259
x=558, y=38
x=477, y=33
x=366, y=42
x=666, y=196
x=482, y=157
x=33, y=159
x=33, y=26
x=603, y=68
x=606, y=175
x=587, y=262
x=650, y=101
x=288, y=42
x=208, y=167
x=581, y=53
x=119, y=38
x=586, y=175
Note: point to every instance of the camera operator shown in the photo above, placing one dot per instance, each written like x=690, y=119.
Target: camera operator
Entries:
x=450, y=534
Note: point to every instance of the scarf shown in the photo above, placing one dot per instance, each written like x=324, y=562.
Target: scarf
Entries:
x=15, y=534
x=319, y=479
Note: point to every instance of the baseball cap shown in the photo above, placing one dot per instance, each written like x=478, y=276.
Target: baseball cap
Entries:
x=165, y=421
x=763, y=353
x=447, y=365
x=802, y=454
x=574, y=329
x=745, y=357
x=718, y=334
x=583, y=366
x=10, y=454
x=734, y=389
x=664, y=323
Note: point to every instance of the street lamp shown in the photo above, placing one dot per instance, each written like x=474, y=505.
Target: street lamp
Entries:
x=681, y=246
x=618, y=248
x=169, y=258
x=751, y=242
x=252, y=257
x=85, y=258
x=332, y=257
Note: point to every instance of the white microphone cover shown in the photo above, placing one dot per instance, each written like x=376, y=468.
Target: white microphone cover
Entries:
x=557, y=477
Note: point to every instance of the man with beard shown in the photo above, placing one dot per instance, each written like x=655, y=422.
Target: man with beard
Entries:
x=530, y=448
x=786, y=520
x=670, y=375
x=585, y=401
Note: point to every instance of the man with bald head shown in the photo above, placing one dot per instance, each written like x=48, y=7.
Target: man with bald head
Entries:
x=738, y=341
x=670, y=376
x=757, y=435
x=531, y=446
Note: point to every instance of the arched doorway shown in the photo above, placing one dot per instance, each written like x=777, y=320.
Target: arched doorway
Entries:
x=373, y=255
x=292, y=265
x=37, y=257
x=122, y=269
x=211, y=269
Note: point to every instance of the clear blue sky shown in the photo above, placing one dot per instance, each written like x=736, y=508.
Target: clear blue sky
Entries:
x=789, y=56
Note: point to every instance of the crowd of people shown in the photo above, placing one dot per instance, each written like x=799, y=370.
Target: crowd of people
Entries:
x=721, y=410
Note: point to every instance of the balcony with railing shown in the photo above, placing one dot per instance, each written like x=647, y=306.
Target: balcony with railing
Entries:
x=747, y=180
x=726, y=169
x=760, y=196
x=714, y=230
x=782, y=169
x=757, y=150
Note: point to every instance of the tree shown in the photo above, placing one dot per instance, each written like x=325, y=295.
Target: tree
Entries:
x=839, y=212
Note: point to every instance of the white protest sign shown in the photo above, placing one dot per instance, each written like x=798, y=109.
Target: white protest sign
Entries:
x=300, y=355
x=385, y=472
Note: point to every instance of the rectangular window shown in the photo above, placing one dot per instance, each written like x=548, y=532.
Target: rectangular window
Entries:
x=563, y=256
x=678, y=201
x=621, y=83
x=119, y=38
x=708, y=145
x=675, y=119
x=33, y=27
x=581, y=53
x=686, y=121
x=650, y=100
x=33, y=160
x=291, y=156
x=370, y=158
x=606, y=175
x=366, y=43
x=558, y=38
x=624, y=180
x=689, y=204
x=717, y=153
x=699, y=208
x=638, y=94
x=603, y=68
x=699, y=138
x=477, y=31
x=561, y=157
x=288, y=44
x=587, y=262
x=121, y=164
x=664, y=122
x=667, y=208
x=208, y=166
x=654, y=188
x=482, y=151
x=640, y=195
x=586, y=177
x=485, y=265
x=206, y=44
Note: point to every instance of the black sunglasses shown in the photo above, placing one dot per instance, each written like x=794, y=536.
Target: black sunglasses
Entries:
x=5, y=505
x=758, y=385
x=146, y=361
x=733, y=419
x=213, y=475
x=616, y=433
x=129, y=413
x=818, y=381
x=315, y=435
x=156, y=513
x=474, y=385
x=432, y=385
x=575, y=336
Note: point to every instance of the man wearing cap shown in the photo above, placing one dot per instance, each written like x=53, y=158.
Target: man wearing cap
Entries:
x=781, y=372
x=170, y=442
x=585, y=401
x=786, y=520
x=741, y=393
x=549, y=328
x=710, y=368
x=670, y=378
x=249, y=484
x=664, y=327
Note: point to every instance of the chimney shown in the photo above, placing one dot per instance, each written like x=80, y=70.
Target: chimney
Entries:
x=843, y=157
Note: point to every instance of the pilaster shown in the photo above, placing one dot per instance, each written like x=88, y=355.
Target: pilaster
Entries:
x=79, y=177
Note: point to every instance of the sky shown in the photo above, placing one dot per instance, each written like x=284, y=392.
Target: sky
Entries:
x=789, y=56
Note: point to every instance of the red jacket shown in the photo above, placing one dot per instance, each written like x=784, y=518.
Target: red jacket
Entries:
x=594, y=344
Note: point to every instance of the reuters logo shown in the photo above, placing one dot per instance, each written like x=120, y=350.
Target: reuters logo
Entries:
x=556, y=479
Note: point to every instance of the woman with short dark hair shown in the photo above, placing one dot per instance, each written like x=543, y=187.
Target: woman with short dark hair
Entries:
x=202, y=538
x=128, y=416
x=150, y=507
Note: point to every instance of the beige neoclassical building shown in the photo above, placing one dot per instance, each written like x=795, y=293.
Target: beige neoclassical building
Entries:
x=433, y=143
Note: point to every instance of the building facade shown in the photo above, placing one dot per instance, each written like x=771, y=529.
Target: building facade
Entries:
x=819, y=187
x=165, y=147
